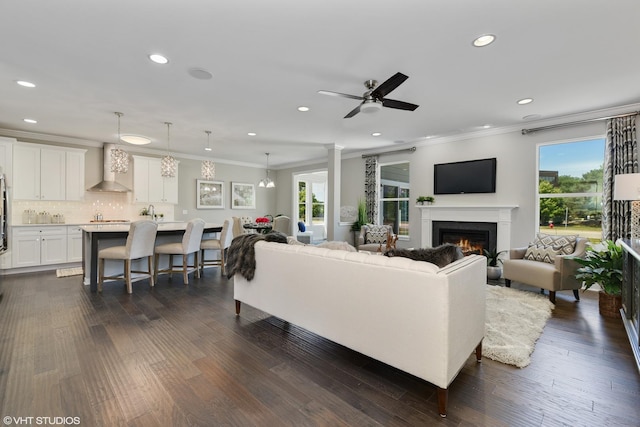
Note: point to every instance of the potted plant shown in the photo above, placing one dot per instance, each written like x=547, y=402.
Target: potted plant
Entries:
x=360, y=221
x=421, y=200
x=494, y=271
x=602, y=264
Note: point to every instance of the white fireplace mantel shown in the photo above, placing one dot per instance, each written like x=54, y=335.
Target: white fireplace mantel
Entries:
x=499, y=214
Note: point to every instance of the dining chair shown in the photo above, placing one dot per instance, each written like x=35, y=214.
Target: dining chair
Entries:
x=190, y=244
x=215, y=245
x=282, y=224
x=140, y=244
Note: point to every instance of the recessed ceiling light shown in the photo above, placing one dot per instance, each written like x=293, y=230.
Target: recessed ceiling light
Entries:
x=376, y=134
x=208, y=149
x=486, y=126
x=484, y=40
x=303, y=108
x=30, y=121
x=525, y=101
x=532, y=117
x=25, y=83
x=135, y=139
x=252, y=134
x=158, y=59
x=200, y=74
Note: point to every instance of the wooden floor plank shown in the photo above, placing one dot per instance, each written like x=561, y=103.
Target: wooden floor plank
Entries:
x=177, y=355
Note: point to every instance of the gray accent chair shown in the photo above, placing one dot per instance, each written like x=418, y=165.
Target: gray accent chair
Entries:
x=559, y=276
x=373, y=238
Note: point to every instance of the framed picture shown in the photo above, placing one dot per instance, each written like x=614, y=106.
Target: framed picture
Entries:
x=243, y=196
x=209, y=194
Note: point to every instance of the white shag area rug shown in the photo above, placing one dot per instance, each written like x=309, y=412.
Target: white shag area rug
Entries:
x=515, y=320
x=65, y=272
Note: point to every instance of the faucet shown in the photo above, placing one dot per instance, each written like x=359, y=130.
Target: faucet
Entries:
x=152, y=211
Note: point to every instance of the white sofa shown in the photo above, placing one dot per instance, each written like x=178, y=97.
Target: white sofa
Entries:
x=409, y=314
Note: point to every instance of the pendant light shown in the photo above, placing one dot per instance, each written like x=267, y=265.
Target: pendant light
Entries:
x=267, y=182
x=208, y=169
x=119, y=157
x=168, y=163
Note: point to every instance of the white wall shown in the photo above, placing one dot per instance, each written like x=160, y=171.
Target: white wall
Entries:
x=516, y=178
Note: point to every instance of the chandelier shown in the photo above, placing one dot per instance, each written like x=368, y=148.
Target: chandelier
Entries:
x=119, y=157
x=267, y=182
x=168, y=165
x=208, y=169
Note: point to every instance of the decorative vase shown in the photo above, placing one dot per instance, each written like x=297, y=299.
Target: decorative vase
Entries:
x=609, y=305
x=494, y=273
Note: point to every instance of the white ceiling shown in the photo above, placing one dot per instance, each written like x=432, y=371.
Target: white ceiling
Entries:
x=89, y=59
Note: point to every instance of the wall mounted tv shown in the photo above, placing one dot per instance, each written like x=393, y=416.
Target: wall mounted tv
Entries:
x=473, y=176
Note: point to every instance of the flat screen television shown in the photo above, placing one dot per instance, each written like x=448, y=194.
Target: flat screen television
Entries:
x=473, y=176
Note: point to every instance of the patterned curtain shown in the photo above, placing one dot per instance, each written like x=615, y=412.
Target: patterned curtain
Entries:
x=371, y=189
x=620, y=157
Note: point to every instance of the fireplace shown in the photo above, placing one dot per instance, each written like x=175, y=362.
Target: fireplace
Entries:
x=471, y=237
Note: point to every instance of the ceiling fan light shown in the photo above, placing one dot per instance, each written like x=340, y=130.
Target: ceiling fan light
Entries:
x=370, y=106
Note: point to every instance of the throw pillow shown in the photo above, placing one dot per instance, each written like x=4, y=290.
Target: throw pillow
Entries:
x=301, y=227
x=565, y=245
x=376, y=234
x=541, y=253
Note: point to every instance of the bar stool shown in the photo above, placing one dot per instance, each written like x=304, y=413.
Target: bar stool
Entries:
x=215, y=245
x=140, y=242
x=190, y=245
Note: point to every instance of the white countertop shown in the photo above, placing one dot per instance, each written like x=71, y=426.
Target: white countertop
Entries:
x=79, y=224
x=115, y=227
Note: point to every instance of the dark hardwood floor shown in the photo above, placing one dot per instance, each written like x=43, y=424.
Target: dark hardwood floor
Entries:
x=178, y=355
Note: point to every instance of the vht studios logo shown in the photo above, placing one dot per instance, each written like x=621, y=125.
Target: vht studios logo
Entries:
x=48, y=421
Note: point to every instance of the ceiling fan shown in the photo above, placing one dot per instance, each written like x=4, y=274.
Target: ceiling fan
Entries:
x=374, y=98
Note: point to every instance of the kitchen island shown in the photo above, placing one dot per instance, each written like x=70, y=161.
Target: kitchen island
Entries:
x=100, y=236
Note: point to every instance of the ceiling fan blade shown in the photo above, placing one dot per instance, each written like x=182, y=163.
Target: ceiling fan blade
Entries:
x=344, y=95
x=385, y=88
x=353, y=112
x=400, y=105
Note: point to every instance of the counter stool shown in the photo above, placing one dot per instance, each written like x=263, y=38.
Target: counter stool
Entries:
x=215, y=245
x=190, y=245
x=140, y=242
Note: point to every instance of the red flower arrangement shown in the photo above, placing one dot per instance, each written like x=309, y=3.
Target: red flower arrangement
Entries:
x=262, y=220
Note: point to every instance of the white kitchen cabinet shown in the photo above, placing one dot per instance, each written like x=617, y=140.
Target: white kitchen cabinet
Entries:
x=75, y=175
x=74, y=243
x=40, y=172
x=6, y=157
x=149, y=186
x=34, y=246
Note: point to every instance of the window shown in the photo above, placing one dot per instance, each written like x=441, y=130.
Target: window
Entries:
x=394, y=197
x=570, y=179
x=311, y=198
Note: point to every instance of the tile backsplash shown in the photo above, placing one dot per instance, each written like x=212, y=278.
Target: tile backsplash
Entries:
x=110, y=205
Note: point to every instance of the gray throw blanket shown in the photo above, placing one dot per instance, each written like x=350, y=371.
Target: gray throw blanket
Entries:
x=241, y=255
x=440, y=255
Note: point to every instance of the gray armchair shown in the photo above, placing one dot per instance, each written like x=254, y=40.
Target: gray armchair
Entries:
x=376, y=238
x=559, y=276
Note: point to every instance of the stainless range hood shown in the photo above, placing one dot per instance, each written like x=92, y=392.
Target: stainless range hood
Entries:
x=108, y=183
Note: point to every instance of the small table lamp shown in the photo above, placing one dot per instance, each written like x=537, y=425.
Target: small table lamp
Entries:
x=627, y=187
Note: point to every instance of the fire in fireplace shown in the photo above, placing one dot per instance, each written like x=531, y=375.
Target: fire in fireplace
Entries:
x=471, y=237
